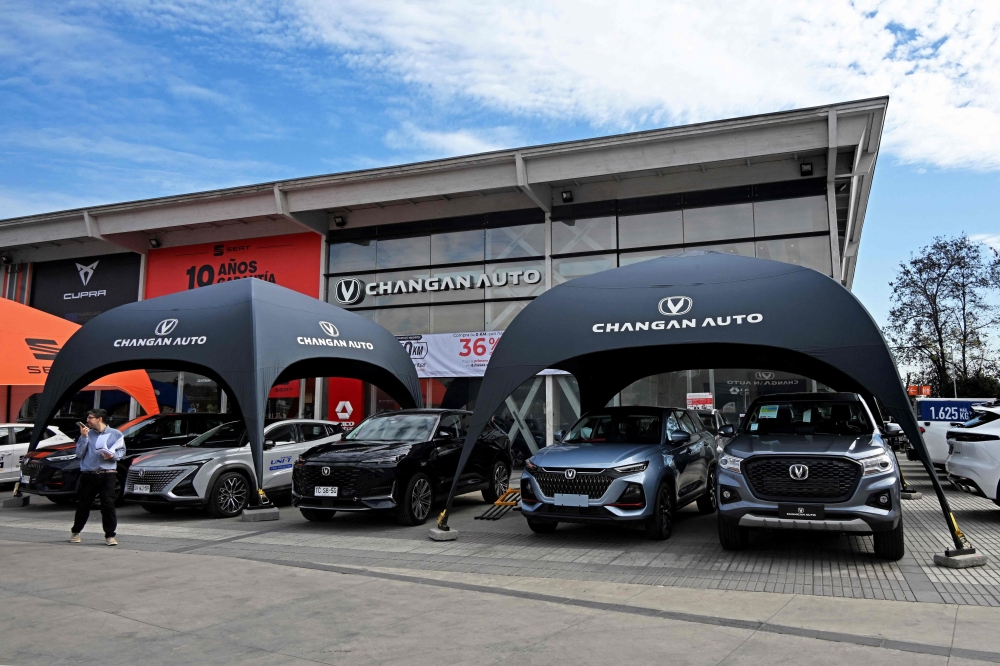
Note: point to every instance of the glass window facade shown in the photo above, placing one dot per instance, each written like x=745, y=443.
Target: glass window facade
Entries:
x=526, y=240
x=666, y=228
x=718, y=223
x=586, y=235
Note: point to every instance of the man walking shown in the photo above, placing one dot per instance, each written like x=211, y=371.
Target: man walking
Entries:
x=99, y=449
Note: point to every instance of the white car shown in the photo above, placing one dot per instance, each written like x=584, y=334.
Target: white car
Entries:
x=215, y=470
x=14, y=439
x=937, y=416
x=974, y=452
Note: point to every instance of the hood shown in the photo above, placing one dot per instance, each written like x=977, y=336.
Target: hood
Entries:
x=175, y=455
x=354, y=451
x=593, y=455
x=857, y=446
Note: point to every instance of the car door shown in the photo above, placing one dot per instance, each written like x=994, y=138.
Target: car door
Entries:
x=684, y=454
x=704, y=447
x=447, y=449
x=9, y=470
x=281, y=448
x=167, y=431
x=20, y=437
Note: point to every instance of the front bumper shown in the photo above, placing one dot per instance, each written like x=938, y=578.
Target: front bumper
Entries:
x=168, y=485
x=597, y=509
x=852, y=515
x=360, y=488
x=50, y=480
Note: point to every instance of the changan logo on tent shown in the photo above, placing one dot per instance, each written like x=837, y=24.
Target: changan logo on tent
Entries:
x=162, y=339
x=675, y=305
x=329, y=329
x=166, y=327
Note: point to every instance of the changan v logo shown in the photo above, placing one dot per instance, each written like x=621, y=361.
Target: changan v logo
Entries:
x=673, y=306
x=329, y=329
x=166, y=327
x=349, y=291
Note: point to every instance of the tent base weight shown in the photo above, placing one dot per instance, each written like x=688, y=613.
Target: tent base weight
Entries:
x=910, y=495
x=17, y=502
x=441, y=535
x=960, y=561
x=257, y=515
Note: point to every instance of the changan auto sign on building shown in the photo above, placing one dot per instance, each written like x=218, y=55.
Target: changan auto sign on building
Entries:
x=444, y=254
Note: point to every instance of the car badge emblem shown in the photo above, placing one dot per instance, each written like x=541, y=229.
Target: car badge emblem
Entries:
x=673, y=306
x=325, y=471
x=166, y=327
x=86, y=272
x=570, y=474
x=329, y=329
x=142, y=473
x=798, y=472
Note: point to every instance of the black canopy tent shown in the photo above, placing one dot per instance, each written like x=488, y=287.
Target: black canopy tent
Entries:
x=247, y=335
x=699, y=310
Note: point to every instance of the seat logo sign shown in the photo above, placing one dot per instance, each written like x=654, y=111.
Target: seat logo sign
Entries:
x=673, y=306
x=798, y=472
x=86, y=272
x=329, y=329
x=349, y=291
x=166, y=327
x=570, y=474
x=44, y=350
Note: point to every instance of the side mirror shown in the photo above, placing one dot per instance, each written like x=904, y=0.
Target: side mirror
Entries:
x=268, y=444
x=678, y=437
x=443, y=434
x=727, y=430
x=558, y=435
x=893, y=429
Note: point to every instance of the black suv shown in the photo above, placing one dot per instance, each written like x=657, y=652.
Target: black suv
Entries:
x=402, y=461
x=55, y=470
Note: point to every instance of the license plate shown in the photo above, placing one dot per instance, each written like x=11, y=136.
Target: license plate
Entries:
x=571, y=500
x=325, y=491
x=26, y=480
x=801, y=511
x=140, y=488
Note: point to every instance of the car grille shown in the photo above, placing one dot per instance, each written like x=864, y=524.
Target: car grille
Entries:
x=32, y=469
x=350, y=481
x=830, y=479
x=592, y=485
x=157, y=480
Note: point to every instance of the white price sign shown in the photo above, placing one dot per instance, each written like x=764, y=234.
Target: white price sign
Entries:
x=451, y=354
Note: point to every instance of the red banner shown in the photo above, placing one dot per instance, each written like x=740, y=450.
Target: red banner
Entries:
x=289, y=390
x=345, y=401
x=291, y=261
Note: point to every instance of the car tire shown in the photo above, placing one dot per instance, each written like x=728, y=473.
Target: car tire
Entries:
x=62, y=500
x=732, y=536
x=158, y=508
x=890, y=545
x=709, y=502
x=660, y=525
x=499, y=482
x=542, y=526
x=229, y=495
x=414, y=505
x=317, y=515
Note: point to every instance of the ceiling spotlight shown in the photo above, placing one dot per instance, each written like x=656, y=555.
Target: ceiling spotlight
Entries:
x=340, y=220
x=154, y=243
x=567, y=197
x=806, y=169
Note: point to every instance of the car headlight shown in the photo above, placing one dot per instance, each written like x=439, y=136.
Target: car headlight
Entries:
x=61, y=458
x=632, y=469
x=193, y=463
x=530, y=466
x=879, y=464
x=730, y=463
x=389, y=460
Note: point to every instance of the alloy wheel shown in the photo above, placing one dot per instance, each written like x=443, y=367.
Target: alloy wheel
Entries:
x=712, y=494
x=420, y=499
x=666, y=516
x=501, y=480
x=233, y=494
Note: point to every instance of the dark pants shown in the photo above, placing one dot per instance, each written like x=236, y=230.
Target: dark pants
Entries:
x=93, y=484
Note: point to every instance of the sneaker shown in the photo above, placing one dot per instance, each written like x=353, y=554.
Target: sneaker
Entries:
x=75, y=537
x=111, y=541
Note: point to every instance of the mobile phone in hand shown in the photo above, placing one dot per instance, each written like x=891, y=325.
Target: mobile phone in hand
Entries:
x=81, y=424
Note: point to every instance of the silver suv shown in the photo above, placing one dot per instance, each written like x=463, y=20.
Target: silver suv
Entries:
x=216, y=469
x=810, y=461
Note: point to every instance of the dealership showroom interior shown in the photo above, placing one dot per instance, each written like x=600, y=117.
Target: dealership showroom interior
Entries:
x=514, y=404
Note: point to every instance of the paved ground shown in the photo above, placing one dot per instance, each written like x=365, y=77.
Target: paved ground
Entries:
x=777, y=562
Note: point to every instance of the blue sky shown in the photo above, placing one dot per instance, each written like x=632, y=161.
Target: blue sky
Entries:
x=102, y=103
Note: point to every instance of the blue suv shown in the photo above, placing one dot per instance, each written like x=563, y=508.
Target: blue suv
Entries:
x=634, y=465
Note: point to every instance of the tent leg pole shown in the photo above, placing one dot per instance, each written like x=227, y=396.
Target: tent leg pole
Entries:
x=962, y=545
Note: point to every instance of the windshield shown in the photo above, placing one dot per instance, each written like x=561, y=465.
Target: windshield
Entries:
x=225, y=436
x=133, y=430
x=395, y=428
x=621, y=428
x=980, y=418
x=809, y=418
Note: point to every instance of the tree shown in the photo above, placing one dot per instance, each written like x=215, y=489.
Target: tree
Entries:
x=941, y=316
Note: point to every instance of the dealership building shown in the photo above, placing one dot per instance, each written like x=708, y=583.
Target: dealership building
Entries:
x=445, y=253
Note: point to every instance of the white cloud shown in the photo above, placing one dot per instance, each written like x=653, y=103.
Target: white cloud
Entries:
x=409, y=137
x=992, y=240
x=621, y=65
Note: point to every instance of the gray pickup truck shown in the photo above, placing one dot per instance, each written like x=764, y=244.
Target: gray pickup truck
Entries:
x=810, y=461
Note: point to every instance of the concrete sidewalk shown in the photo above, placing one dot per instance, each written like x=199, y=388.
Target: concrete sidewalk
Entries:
x=90, y=604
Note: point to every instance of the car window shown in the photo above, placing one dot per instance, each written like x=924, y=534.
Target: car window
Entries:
x=167, y=428
x=283, y=434
x=209, y=423
x=23, y=435
x=673, y=424
x=980, y=418
x=618, y=427
x=332, y=430
x=807, y=417
x=708, y=420
x=4, y=437
x=312, y=431
x=225, y=436
x=686, y=424
x=453, y=424
x=394, y=427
